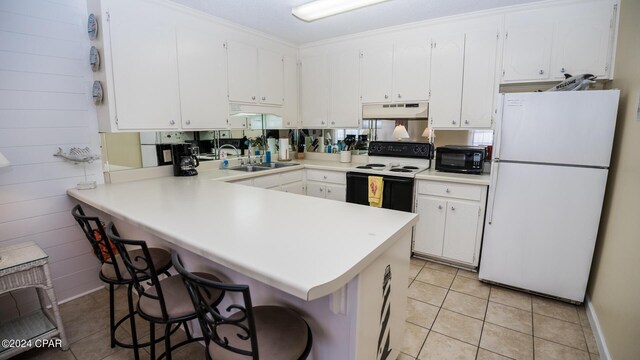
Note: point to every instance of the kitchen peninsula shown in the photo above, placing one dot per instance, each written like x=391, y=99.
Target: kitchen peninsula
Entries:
x=310, y=254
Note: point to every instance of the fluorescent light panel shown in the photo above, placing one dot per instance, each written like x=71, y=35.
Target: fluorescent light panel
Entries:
x=322, y=8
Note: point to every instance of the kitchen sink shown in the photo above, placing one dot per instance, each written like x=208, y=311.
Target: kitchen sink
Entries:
x=248, y=168
x=276, y=165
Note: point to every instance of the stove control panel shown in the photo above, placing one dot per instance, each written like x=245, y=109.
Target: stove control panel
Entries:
x=405, y=149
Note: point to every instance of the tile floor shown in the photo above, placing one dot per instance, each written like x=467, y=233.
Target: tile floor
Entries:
x=86, y=322
x=452, y=315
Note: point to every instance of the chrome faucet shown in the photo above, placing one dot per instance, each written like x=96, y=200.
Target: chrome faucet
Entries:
x=230, y=146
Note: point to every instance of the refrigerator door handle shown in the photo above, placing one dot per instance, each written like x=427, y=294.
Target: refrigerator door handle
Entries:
x=498, y=134
x=492, y=190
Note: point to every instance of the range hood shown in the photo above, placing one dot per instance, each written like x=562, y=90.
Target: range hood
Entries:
x=414, y=110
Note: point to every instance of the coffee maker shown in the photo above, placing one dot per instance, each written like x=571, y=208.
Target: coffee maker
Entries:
x=184, y=162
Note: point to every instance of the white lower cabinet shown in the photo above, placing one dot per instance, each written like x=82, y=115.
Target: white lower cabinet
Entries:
x=291, y=181
x=451, y=221
x=327, y=184
x=294, y=188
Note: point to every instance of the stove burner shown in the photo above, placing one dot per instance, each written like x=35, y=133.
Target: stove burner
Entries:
x=410, y=167
x=375, y=165
x=400, y=170
x=364, y=167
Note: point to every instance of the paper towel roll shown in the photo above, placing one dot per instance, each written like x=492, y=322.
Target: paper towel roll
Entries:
x=284, y=149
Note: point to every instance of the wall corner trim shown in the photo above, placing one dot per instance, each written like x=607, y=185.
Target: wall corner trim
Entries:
x=597, y=330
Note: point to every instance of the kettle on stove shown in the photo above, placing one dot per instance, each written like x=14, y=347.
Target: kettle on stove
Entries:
x=184, y=161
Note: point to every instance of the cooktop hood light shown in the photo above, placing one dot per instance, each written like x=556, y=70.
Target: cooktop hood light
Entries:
x=319, y=9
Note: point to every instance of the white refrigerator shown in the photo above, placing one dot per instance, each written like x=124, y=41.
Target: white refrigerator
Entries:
x=548, y=177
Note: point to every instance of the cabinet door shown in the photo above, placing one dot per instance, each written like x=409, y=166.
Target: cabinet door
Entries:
x=344, y=99
x=336, y=192
x=527, y=48
x=290, y=111
x=411, y=70
x=145, y=69
x=294, y=188
x=478, y=89
x=429, y=231
x=376, y=73
x=271, y=77
x=582, y=41
x=238, y=122
x=461, y=230
x=314, y=73
x=447, y=58
x=316, y=189
x=242, y=63
x=202, y=66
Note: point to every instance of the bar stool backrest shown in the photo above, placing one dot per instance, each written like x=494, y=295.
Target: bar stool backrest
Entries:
x=95, y=233
x=140, y=267
x=211, y=319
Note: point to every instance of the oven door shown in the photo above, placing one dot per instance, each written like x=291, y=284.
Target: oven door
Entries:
x=397, y=193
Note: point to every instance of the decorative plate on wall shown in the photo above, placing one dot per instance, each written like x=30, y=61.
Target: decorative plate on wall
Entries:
x=92, y=27
x=94, y=59
x=96, y=92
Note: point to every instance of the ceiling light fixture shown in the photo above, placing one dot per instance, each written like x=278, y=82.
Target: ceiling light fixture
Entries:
x=319, y=9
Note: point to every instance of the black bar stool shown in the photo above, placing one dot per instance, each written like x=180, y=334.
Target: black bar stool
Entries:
x=114, y=272
x=280, y=333
x=165, y=301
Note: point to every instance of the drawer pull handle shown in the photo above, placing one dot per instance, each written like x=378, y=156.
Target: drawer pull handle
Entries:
x=329, y=190
x=439, y=207
x=448, y=191
x=453, y=208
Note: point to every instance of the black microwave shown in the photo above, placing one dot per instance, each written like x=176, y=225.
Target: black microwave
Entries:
x=460, y=159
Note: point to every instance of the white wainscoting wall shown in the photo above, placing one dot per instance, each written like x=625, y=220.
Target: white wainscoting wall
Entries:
x=45, y=103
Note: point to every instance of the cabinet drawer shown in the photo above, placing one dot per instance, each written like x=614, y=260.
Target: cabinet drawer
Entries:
x=336, y=177
x=461, y=191
x=266, y=181
x=291, y=176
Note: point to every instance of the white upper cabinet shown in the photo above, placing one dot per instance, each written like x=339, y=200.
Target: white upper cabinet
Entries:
x=582, y=41
x=344, y=101
x=202, y=67
x=546, y=43
x=447, y=62
x=291, y=114
x=243, y=72
x=411, y=70
x=255, y=75
x=376, y=74
x=270, y=77
x=479, y=81
x=314, y=89
x=527, y=47
x=144, y=65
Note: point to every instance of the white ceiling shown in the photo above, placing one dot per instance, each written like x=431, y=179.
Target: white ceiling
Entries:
x=274, y=16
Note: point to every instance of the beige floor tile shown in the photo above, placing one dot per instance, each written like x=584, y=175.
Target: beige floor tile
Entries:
x=403, y=356
x=563, y=332
x=421, y=313
x=431, y=294
x=45, y=354
x=414, y=270
x=594, y=357
x=547, y=350
x=441, y=267
x=488, y=355
x=510, y=297
x=189, y=352
x=582, y=314
x=458, y=326
x=555, y=309
x=506, y=342
x=127, y=354
x=440, y=347
x=592, y=346
x=465, y=304
x=468, y=274
x=510, y=317
x=435, y=277
x=471, y=287
x=414, y=337
x=416, y=261
x=94, y=347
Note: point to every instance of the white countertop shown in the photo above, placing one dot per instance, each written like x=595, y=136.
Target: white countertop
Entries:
x=432, y=174
x=305, y=246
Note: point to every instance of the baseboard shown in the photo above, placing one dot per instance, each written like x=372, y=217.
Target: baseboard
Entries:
x=597, y=330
